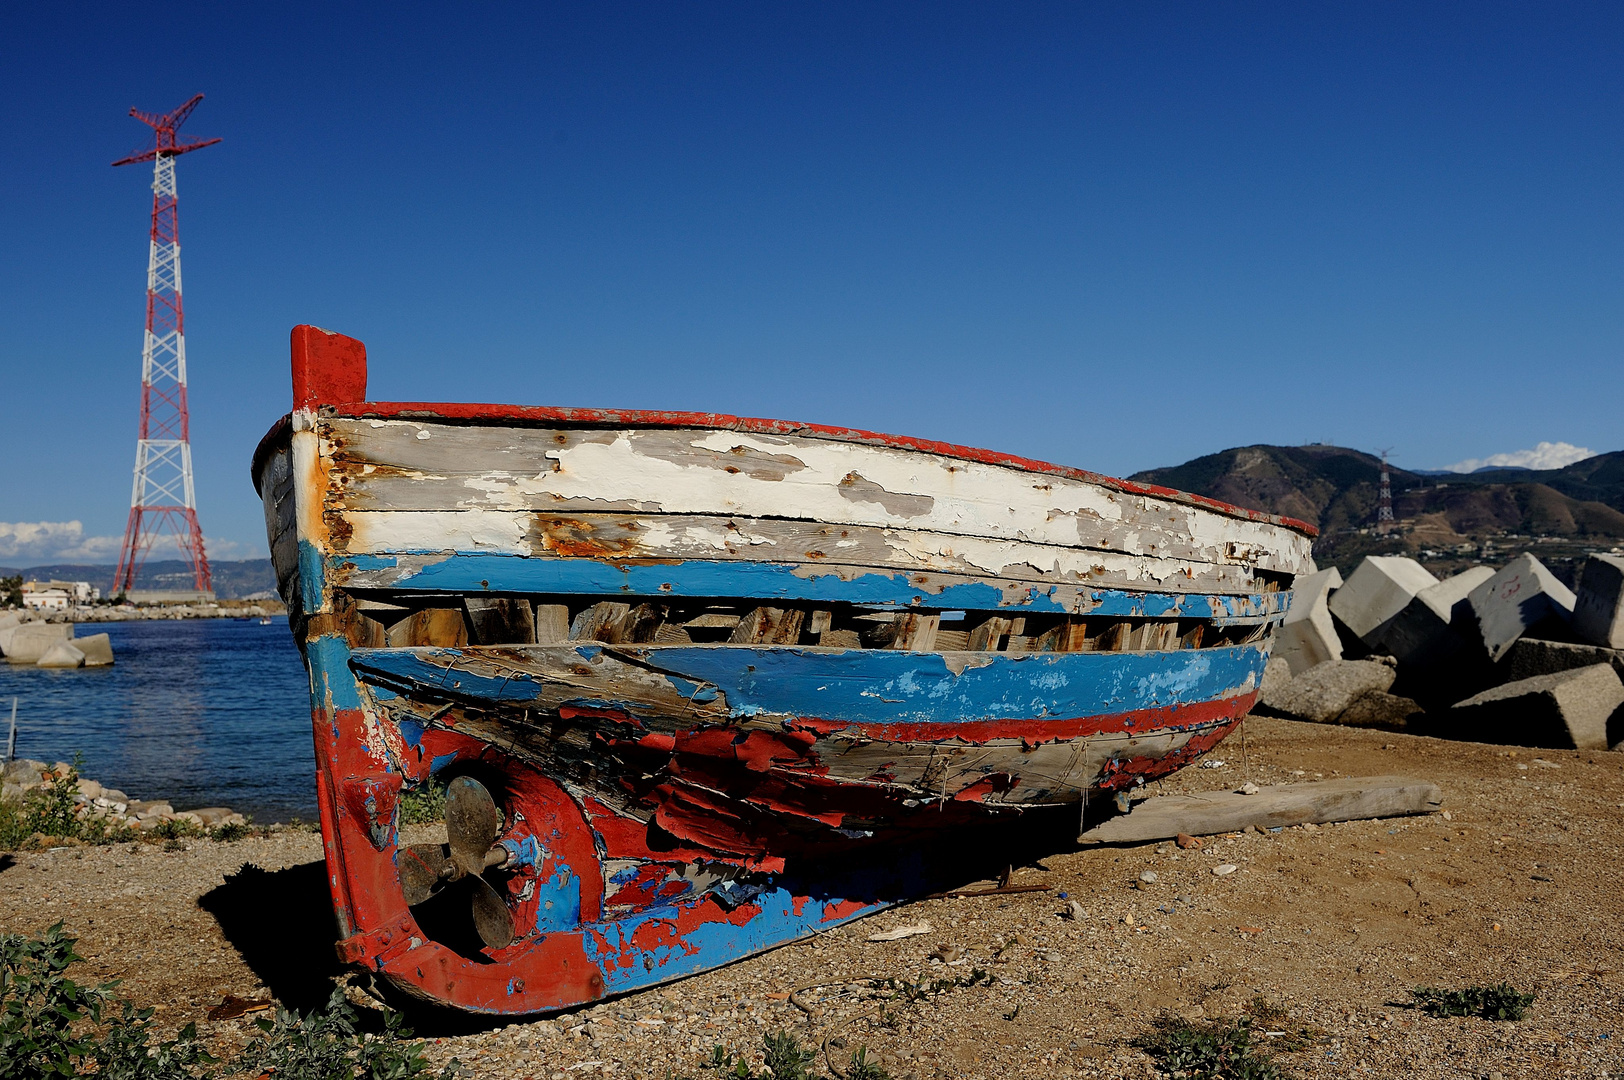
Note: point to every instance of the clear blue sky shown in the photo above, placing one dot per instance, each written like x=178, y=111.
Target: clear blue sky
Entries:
x=1114, y=236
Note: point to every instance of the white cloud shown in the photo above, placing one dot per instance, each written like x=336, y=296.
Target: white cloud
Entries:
x=232, y=549
x=1546, y=455
x=33, y=543
x=24, y=542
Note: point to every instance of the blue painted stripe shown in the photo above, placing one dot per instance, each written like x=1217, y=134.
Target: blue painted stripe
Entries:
x=709, y=945
x=474, y=573
x=881, y=685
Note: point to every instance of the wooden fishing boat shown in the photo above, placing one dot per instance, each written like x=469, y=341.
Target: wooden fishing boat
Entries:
x=698, y=685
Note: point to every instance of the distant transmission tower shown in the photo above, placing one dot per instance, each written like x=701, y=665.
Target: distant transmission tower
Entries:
x=1384, y=508
x=162, y=501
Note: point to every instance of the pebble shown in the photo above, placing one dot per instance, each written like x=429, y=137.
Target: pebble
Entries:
x=1074, y=911
x=1148, y=877
x=1224, y=870
x=1186, y=841
x=1249, y=788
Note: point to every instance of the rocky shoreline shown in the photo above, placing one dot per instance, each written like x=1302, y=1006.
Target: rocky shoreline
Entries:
x=94, y=801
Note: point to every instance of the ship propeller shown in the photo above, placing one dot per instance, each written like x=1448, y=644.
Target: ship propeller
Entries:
x=473, y=821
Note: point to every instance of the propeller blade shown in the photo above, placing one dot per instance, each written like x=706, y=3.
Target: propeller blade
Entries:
x=492, y=918
x=472, y=822
x=420, y=867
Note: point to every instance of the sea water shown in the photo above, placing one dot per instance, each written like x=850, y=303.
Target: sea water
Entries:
x=200, y=712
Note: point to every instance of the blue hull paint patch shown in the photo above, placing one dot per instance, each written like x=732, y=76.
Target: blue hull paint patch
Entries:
x=884, y=686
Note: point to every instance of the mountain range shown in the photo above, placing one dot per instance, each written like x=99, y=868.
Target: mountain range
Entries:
x=233, y=580
x=1559, y=512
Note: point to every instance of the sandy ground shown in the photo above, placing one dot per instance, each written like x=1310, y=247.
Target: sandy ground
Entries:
x=1319, y=934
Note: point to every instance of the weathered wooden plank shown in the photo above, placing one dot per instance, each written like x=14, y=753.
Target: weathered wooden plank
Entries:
x=1348, y=799
x=668, y=537
x=423, y=465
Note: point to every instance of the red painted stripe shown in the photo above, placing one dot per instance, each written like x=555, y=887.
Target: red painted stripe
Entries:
x=1033, y=732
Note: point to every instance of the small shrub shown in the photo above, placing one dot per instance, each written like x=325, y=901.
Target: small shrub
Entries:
x=175, y=829
x=787, y=1059
x=230, y=831
x=863, y=1069
x=424, y=805
x=41, y=1023
x=327, y=1043
x=126, y=1050
x=50, y=1026
x=1499, y=1002
x=1207, y=1051
x=49, y=814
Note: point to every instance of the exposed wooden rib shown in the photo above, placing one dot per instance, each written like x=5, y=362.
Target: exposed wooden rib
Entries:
x=500, y=620
x=440, y=627
x=1117, y=637
x=712, y=620
x=917, y=632
x=768, y=626
x=988, y=634
x=600, y=622
x=552, y=624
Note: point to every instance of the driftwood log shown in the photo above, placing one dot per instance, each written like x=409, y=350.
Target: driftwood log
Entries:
x=1351, y=799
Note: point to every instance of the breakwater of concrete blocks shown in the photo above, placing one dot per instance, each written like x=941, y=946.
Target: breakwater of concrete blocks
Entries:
x=1504, y=655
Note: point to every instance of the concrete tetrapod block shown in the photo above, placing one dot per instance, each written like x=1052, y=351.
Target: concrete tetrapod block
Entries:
x=28, y=642
x=10, y=619
x=1532, y=656
x=1565, y=711
x=1598, y=610
x=1376, y=591
x=61, y=655
x=1335, y=693
x=1421, y=634
x=1308, y=636
x=1522, y=598
x=98, y=649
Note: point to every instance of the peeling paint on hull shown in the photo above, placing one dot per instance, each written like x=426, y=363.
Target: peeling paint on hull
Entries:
x=762, y=722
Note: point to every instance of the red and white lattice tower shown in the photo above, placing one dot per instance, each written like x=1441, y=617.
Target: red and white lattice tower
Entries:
x=162, y=502
x=1384, y=500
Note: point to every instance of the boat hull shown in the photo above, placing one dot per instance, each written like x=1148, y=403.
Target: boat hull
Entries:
x=728, y=682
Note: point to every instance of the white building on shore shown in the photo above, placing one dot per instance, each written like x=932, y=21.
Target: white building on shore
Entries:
x=57, y=595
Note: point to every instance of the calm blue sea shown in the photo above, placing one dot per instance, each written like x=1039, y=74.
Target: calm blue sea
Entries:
x=203, y=712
